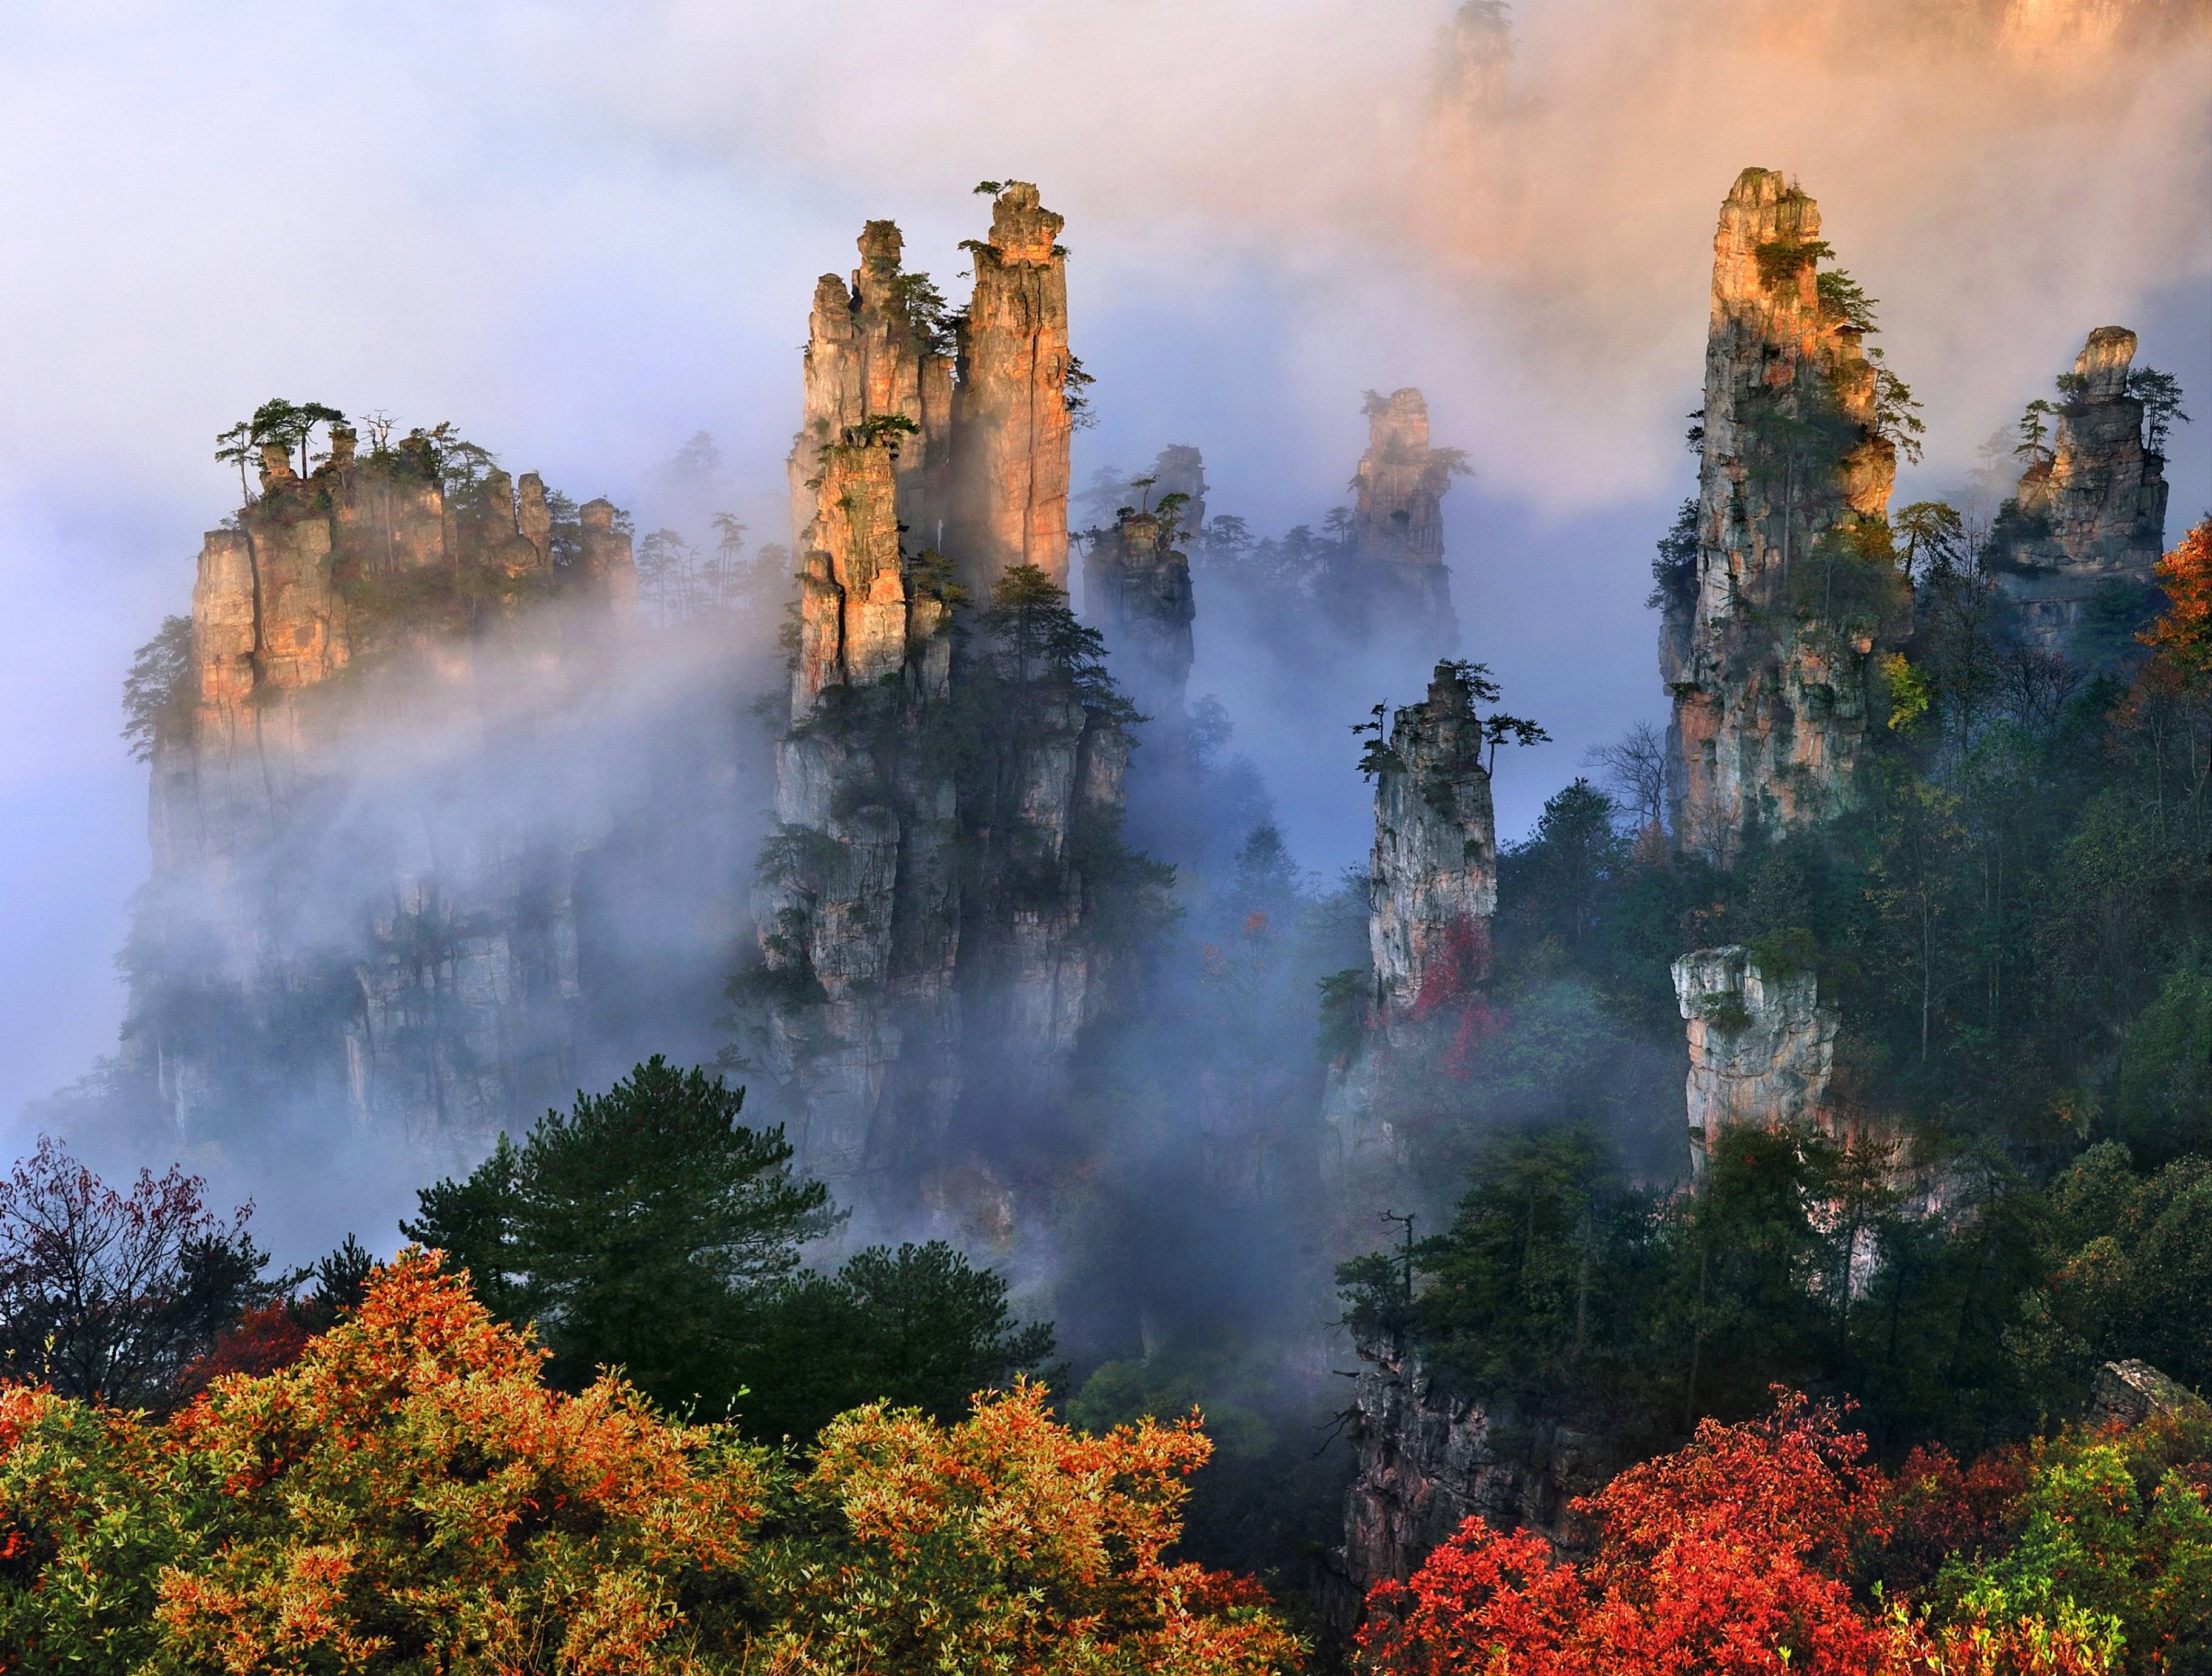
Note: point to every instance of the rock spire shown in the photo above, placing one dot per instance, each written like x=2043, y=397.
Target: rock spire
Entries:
x=2089, y=515
x=1011, y=419
x=443, y=1011
x=1433, y=873
x=1136, y=589
x=1771, y=635
x=877, y=350
x=1396, y=580
x=930, y=882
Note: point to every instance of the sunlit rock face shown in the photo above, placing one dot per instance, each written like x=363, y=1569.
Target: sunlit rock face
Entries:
x=1010, y=414
x=1434, y=867
x=873, y=351
x=2081, y=533
x=1428, y=1460
x=338, y=905
x=1137, y=591
x=1770, y=673
x=926, y=898
x=1762, y=1046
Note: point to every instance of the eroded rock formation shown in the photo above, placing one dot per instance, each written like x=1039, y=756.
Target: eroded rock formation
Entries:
x=405, y=953
x=874, y=351
x=933, y=879
x=1137, y=591
x=2089, y=520
x=1770, y=642
x=1762, y=1046
x=1010, y=414
x=1433, y=872
x=1394, y=581
x=1429, y=1460
x=1432, y=889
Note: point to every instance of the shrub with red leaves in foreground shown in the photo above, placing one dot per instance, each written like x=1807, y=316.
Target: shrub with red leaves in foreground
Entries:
x=1746, y=1554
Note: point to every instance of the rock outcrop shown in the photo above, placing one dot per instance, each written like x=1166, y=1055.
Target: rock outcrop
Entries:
x=1427, y=1460
x=1391, y=579
x=2129, y=1394
x=1433, y=872
x=1137, y=592
x=1762, y=1047
x=409, y=958
x=2089, y=520
x=1432, y=889
x=1010, y=414
x=1769, y=645
x=873, y=352
x=931, y=883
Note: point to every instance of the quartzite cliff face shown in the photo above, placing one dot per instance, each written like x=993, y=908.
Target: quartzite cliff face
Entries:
x=1762, y=1047
x=1429, y=1459
x=1432, y=889
x=2088, y=519
x=928, y=884
x=1770, y=666
x=430, y=991
x=1010, y=417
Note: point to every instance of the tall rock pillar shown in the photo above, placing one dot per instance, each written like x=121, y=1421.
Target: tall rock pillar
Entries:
x=1771, y=643
x=1433, y=874
x=1398, y=528
x=873, y=354
x=1136, y=588
x=2088, y=519
x=1011, y=419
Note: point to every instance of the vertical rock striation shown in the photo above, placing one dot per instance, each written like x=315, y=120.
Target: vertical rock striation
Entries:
x=932, y=880
x=1770, y=642
x=2089, y=520
x=1433, y=889
x=1433, y=873
x=1010, y=415
x=431, y=996
x=873, y=353
x=1429, y=1460
x=1762, y=1047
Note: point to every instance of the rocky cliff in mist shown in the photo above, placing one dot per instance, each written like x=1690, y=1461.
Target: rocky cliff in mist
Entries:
x=2088, y=522
x=946, y=804
x=411, y=961
x=1431, y=890
x=1398, y=528
x=1771, y=635
x=1137, y=589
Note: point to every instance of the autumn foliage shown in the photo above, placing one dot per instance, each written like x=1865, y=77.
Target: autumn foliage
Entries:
x=2182, y=639
x=410, y=1495
x=1752, y=1552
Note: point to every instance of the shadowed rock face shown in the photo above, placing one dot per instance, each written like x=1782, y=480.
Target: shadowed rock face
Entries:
x=1136, y=589
x=1762, y=1049
x=1011, y=420
x=434, y=1003
x=2090, y=520
x=1428, y=1460
x=1771, y=680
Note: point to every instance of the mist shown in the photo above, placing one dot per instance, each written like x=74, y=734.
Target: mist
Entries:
x=586, y=239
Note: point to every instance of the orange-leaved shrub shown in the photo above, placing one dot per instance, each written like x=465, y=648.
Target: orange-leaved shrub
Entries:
x=409, y=1496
